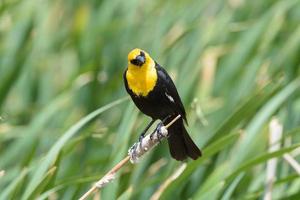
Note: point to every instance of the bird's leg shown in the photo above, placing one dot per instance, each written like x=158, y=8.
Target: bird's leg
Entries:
x=144, y=132
x=165, y=119
x=160, y=124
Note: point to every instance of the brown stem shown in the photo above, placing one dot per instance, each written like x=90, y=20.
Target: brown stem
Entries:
x=110, y=175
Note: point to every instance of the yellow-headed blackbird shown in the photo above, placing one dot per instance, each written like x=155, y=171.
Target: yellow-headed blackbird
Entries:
x=154, y=93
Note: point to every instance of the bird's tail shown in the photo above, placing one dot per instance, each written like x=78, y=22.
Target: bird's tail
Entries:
x=180, y=143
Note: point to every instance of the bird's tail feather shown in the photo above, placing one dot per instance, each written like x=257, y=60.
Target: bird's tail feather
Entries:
x=180, y=143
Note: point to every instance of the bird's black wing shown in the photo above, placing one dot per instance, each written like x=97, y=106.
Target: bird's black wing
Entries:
x=170, y=90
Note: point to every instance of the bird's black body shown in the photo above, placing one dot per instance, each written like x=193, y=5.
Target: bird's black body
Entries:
x=164, y=101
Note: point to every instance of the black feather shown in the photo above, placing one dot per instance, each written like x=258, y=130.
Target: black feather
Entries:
x=158, y=105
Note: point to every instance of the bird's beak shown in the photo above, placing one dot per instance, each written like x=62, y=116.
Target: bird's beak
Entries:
x=139, y=60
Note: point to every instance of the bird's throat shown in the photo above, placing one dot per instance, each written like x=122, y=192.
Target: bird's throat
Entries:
x=141, y=80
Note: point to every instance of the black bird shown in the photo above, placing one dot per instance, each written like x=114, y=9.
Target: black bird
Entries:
x=154, y=93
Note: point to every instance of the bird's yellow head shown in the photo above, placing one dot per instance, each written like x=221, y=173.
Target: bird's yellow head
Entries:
x=139, y=58
x=141, y=74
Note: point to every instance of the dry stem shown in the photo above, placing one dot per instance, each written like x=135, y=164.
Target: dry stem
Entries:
x=274, y=136
x=134, y=154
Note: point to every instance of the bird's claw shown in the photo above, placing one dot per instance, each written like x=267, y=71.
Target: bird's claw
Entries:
x=134, y=147
x=133, y=150
x=141, y=138
x=141, y=141
x=159, y=133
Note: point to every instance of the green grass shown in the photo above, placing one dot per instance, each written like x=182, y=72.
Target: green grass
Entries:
x=65, y=119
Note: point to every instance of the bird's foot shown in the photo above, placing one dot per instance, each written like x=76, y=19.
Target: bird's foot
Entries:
x=133, y=150
x=141, y=140
x=159, y=133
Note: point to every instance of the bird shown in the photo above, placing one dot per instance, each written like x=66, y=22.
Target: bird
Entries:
x=154, y=93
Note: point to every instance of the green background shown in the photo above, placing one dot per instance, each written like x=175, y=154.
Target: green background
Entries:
x=66, y=118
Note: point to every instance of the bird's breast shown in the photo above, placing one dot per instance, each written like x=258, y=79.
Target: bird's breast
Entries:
x=141, y=81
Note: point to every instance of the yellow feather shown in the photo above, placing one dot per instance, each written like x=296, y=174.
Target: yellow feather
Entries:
x=141, y=79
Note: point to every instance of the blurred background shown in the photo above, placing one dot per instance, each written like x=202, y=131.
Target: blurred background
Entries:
x=65, y=118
